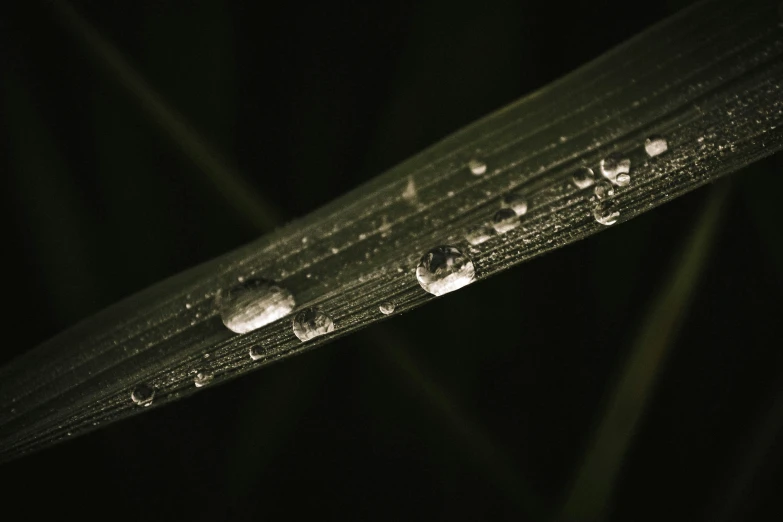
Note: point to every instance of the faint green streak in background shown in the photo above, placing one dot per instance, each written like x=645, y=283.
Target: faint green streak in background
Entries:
x=54, y=210
x=230, y=184
x=592, y=489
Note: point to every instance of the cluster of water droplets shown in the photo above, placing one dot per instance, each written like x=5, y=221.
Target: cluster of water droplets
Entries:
x=615, y=171
x=257, y=302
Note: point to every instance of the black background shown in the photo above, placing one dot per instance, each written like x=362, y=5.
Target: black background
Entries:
x=308, y=102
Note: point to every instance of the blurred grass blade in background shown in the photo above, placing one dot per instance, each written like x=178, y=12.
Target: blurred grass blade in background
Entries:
x=229, y=183
x=591, y=492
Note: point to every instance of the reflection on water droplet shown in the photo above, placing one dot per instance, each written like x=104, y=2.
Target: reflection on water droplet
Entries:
x=310, y=323
x=504, y=220
x=253, y=304
x=386, y=308
x=655, y=145
x=445, y=269
x=613, y=165
x=605, y=212
x=256, y=352
x=202, y=379
x=603, y=190
x=477, y=234
x=142, y=395
x=477, y=167
x=516, y=203
x=583, y=177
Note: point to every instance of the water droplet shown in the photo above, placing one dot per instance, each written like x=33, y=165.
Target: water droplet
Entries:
x=613, y=165
x=256, y=352
x=623, y=180
x=202, y=379
x=188, y=306
x=477, y=167
x=605, y=212
x=304, y=240
x=386, y=308
x=445, y=269
x=655, y=145
x=143, y=394
x=253, y=304
x=516, y=203
x=604, y=190
x=335, y=250
x=583, y=177
x=504, y=220
x=310, y=323
x=478, y=234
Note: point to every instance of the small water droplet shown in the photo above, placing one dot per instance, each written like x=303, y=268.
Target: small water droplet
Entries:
x=445, y=269
x=256, y=352
x=253, y=304
x=334, y=250
x=362, y=236
x=477, y=167
x=310, y=323
x=563, y=139
x=605, y=212
x=613, y=165
x=583, y=177
x=623, y=180
x=655, y=145
x=188, y=306
x=504, y=220
x=386, y=308
x=304, y=240
x=604, y=190
x=206, y=356
x=202, y=379
x=516, y=203
x=241, y=279
x=142, y=395
x=477, y=234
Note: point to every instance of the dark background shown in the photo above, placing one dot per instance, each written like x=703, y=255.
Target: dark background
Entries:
x=307, y=102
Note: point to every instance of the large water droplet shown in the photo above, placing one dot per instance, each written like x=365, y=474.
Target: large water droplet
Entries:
x=477, y=167
x=253, y=304
x=445, y=269
x=310, y=323
x=655, y=145
x=516, y=203
x=603, y=190
x=386, y=308
x=606, y=213
x=583, y=177
x=614, y=165
x=477, y=234
x=202, y=379
x=142, y=395
x=504, y=220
